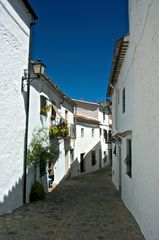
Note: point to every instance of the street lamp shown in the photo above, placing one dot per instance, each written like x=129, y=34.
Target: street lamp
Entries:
x=38, y=69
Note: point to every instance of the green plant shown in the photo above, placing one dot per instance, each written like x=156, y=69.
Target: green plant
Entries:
x=128, y=160
x=40, y=151
x=45, y=109
x=37, y=192
x=60, y=130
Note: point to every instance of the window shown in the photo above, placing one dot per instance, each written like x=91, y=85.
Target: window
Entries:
x=92, y=132
x=128, y=159
x=100, y=132
x=105, y=135
x=53, y=113
x=103, y=116
x=66, y=115
x=109, y=135
x=123, y=101
x=82, y=132
x=43, y=103
x=93, y=158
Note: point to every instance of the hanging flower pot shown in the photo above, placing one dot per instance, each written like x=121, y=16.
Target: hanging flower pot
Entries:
x=61, y=130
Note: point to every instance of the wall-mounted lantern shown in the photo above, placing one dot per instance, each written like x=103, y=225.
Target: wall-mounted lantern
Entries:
x=38, y=69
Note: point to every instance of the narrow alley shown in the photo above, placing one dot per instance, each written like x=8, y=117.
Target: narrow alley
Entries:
x=85, y=207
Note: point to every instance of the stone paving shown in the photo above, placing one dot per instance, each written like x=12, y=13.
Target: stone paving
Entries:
x=83, y=208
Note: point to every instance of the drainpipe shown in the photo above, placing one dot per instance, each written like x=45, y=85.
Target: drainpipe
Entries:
x=27, y=116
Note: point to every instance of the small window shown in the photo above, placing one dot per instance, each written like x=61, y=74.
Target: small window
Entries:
x=66, y=115
x=123, y=100
x=109, y=135
x=53, y=113
x=128, y=159
x=94, y=158
x=100, y=132
x=103, y=116
x=92, y=132
x=43, y=104
x=82, y=132
x=105, y=135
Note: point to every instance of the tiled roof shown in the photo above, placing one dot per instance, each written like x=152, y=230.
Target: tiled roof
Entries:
x=87, y=119
x=53, y=85
x=118, y=59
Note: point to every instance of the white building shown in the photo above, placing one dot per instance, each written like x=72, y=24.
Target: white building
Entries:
x=134, y=89
x=44, y=92
x=15, y=24
x=93, y=134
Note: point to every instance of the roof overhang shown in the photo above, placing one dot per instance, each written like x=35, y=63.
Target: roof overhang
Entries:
x=58, y=90
x=77, y=101
x=82, y=118
x=30, y=9
x=118, y=59
x=117, y=138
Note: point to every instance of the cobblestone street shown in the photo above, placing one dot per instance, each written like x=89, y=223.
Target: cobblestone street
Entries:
x=83, y=208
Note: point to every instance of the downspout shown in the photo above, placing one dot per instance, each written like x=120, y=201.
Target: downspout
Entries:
x=27, y=116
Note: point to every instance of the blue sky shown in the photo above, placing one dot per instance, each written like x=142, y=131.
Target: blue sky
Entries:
x=75, y=39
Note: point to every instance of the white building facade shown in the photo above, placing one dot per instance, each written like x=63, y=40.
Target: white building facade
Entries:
x=134, y=89
x=93, y=134
x=15, y=23
x=45, y=93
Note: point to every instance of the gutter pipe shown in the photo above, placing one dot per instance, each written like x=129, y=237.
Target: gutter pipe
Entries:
x=27, y=117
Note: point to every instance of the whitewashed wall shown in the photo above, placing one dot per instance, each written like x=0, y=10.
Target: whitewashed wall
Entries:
x=88, y=110
x=14, y=50
x=87, y=144
x=41, y=87
x=140, y=75
x=122, y=121
x=144, y=29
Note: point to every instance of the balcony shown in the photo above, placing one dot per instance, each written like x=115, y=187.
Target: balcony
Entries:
x=62, y=130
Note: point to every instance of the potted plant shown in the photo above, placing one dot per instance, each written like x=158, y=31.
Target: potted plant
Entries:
x=45, y=110
x=39, y=153
x=60, y=130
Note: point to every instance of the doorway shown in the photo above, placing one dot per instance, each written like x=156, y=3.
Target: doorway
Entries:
x=82, y=162
x=100, y=158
